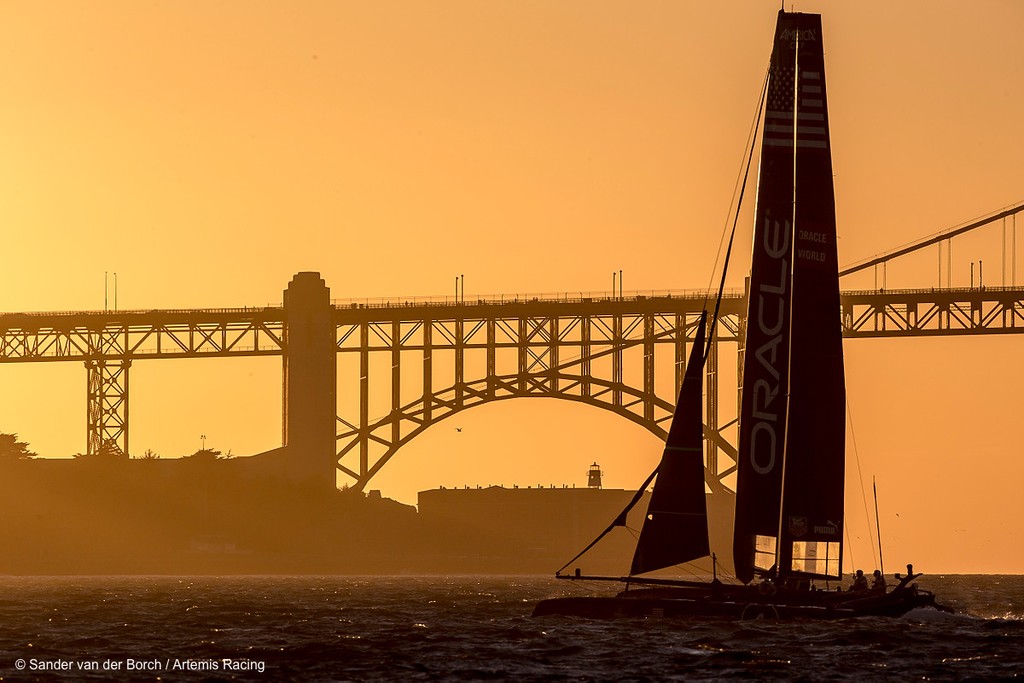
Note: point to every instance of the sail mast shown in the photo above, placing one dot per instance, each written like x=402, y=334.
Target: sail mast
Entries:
x=789, y=368
x=766, y=345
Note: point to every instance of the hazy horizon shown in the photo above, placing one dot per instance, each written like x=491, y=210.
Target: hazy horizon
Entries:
x=207, y=152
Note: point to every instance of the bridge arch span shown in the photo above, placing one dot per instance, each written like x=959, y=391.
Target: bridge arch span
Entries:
x=380, y=439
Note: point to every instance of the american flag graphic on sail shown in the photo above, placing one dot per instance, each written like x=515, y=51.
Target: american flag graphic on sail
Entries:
x=808, y=105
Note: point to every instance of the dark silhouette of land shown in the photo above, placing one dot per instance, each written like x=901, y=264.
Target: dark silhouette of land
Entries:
x=208, y=515
x=189, y=515
x=280, y=511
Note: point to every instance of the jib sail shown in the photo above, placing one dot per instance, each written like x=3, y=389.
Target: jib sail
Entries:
x=676, y=527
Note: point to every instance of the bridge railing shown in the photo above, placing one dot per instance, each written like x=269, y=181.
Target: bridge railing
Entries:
x=484, y=299
x=979, y=290
x=545, y=297
x=139, y=311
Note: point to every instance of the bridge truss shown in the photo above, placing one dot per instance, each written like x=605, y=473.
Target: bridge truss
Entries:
x=108, y=342
x=624, y=355
x=416, y=364
x=608, y=353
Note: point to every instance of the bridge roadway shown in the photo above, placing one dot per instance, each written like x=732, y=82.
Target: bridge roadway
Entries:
x=596, y=350
x=259, y=331
x=116, y=336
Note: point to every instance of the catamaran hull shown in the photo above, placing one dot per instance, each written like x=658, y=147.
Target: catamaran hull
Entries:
x=736, y=606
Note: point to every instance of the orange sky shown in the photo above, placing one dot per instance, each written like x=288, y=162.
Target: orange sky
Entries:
x=207, y=151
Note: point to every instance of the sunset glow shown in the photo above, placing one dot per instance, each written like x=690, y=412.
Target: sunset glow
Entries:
x=206, y=152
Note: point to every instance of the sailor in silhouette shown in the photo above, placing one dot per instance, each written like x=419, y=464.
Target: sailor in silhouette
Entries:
x=905, y=581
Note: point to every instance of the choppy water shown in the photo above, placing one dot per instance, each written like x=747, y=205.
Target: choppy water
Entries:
x=429, y=628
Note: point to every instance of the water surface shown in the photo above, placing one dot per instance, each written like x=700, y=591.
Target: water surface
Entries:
x=471, y=628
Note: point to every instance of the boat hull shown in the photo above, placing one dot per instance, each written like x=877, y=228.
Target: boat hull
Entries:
x=740, y=603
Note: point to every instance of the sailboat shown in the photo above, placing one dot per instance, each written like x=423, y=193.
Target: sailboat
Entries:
x=789, y=518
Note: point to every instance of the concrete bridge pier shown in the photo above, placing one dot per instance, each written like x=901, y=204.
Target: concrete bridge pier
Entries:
x=310, y=382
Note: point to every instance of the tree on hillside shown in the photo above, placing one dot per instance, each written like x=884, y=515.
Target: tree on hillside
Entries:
x=12, y=449
x=108, y=449
x=205, y=454
x=209, y=455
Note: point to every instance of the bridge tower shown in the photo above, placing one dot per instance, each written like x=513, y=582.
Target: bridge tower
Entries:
x=310, y=381
x=107, y=407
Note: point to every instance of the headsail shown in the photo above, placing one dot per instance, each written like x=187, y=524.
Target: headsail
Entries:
x=676, y=527
x=792, y=406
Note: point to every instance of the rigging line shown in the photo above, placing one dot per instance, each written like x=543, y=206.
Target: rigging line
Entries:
x=863, y=493
x=620, y=520
x=634, y=532
x=736, y=218
x=690, y=568
x=881, y=562
x=739, y=188
x=849, y=554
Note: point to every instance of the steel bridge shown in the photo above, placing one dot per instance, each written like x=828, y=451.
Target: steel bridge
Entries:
x=414, y=363
x=442, y=357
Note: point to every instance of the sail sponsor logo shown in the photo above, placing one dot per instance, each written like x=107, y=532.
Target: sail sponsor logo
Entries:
x=810, y=255
x=812, y=236
x=797, y=526
x=763, y=445
x=792, y=34
x=817, y=238
x=829, y=528
x=764, y=439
